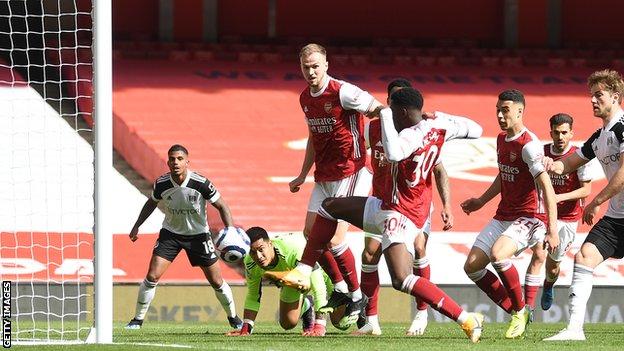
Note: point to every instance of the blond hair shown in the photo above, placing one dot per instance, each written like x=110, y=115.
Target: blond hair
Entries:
x=609, y=80
x=312, y=48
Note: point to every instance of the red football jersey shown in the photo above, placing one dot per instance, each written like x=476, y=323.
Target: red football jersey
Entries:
x=519, y=162
x=379, y=163
x=408, y=188
x=567, y=210
x=335, y=119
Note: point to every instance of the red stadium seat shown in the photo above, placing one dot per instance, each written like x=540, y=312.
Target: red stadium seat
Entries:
x=511, y=61
x=490, y=61
x=204, y=55
x=403, y=60
x=248, y=57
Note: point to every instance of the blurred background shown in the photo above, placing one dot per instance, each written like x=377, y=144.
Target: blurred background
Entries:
x=222, y=78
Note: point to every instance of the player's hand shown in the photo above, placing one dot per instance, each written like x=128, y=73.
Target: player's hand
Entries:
x=471, y=205
x=589, y=212
x=548, y=163
x=551, y=240
x=134, y=234
x=447, y=219
x=244, y=331
x=296, y=183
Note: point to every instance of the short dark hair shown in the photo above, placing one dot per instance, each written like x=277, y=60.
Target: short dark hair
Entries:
x=512, y=95
x=257, y=233
x=407, y=97
x=561, y=118
x=177, y=147
x=399, y=83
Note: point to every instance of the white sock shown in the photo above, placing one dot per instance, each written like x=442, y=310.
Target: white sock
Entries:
x=320, y=321
x=580, y=290
x=341, y=286
x=147, y=290
x=373, y=320
x=226, y=299
x=356, y=295
x=463, y=317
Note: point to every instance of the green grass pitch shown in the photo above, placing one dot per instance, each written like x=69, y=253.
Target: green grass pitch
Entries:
x=439, y=336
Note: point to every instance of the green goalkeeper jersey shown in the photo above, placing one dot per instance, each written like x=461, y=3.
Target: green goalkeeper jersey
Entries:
x=288, y=251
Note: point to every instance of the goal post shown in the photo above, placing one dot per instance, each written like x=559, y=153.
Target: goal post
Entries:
x=103, y=129
x=56, y=142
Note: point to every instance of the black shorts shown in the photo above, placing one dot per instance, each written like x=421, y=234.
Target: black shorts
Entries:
x=608, y=236
x=199, y=248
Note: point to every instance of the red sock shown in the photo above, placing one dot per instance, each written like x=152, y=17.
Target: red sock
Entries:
x=423, y=271
x=434, y=296
x=322, y=232
x=494, y=289
x=370, y=288
x=531, y=286
x=509, y=276
x=329, y=265
x=346, y=263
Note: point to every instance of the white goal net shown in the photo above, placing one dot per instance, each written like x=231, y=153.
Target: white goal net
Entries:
x=47, y=171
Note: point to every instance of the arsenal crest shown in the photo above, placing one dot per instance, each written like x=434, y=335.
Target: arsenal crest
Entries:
x=512, y=156
x=328, y=107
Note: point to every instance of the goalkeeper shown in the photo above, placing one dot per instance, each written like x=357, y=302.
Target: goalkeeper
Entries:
x=281, y=254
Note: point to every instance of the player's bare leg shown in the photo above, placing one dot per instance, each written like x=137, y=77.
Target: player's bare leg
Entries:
x=486, y=280
x=340, y=296
x=349, y=209
x=157, y=267
x=223, y=292
x=289, y=313
x=339, y=256
x=421, y=268
x=502, y=250
x=398, y=258
x=368, y=322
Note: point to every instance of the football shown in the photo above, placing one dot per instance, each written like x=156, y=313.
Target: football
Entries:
x=232, y=244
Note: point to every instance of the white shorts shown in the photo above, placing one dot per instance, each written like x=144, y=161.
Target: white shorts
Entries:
x=567, y=233
x=393, y=226
x=526, y=232
x=358, y=184
x=426, y=228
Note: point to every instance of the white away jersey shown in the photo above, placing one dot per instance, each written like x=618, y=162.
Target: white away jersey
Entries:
x=607, y=144
x=185, y=204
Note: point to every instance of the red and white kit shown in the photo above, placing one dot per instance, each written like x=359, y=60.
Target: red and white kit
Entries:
x=520, y=214
x=568, y=212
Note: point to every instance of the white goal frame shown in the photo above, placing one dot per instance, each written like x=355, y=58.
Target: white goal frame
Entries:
x=103, y=158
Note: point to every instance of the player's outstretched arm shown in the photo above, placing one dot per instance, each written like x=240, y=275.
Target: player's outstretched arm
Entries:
x=146, y=211
x=224, y=212
x=615, y=185
x=551, y=241
x=475, y=204
x=566, y=165
x=459, y=127
x=582, y=192
x=444, y=190
x=396, y=148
